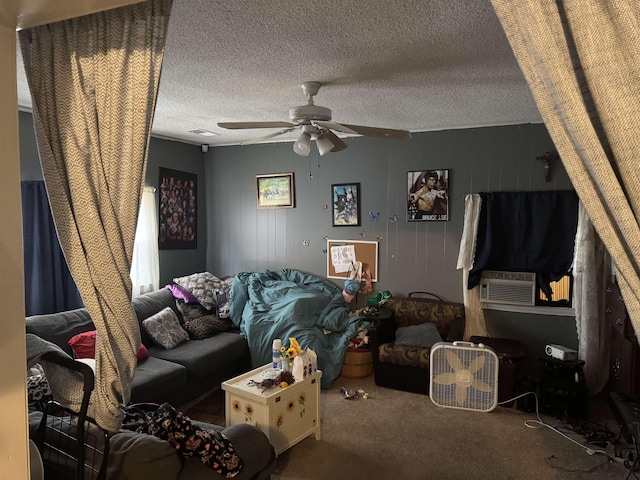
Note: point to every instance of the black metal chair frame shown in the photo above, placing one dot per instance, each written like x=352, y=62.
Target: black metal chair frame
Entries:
x=69, y=442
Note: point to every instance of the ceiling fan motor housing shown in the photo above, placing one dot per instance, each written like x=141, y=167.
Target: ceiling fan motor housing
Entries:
x=306, y=113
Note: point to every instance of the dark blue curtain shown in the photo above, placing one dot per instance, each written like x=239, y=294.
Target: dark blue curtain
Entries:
x=526, y=232
x=48, y=284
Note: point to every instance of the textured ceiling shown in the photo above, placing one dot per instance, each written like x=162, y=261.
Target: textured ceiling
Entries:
x=416, y=65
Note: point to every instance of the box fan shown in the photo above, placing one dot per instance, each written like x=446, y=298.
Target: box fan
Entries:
x=464, y=376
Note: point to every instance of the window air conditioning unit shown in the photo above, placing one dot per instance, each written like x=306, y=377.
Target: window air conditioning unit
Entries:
x=512, y=288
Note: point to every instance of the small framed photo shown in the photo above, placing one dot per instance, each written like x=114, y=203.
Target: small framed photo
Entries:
x=428, y=195
x=275, y=190
x=345, y=201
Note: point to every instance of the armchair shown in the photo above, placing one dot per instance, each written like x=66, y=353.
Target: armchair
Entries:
x=406, y=367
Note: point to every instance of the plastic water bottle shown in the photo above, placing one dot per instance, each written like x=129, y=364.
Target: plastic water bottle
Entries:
x=277, y=358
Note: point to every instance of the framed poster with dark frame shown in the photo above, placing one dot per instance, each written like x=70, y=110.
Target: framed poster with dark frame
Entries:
x=178, y=219
x=428, y=195
x=275, y=190
x=345, y=203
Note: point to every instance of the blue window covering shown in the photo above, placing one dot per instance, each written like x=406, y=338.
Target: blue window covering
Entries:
x=48, y=284
x=526, y=232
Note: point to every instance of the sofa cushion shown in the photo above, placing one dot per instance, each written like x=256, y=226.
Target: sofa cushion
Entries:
x=133, y=456
x=251, y=445
x=155, y=380
x=201, y=357
x=59, y=327
x=423, y=335
x=165, y=329
x=212, y=447
x=401, y=355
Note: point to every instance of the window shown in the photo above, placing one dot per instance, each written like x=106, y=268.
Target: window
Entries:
x=145, y=264
x=562, y=292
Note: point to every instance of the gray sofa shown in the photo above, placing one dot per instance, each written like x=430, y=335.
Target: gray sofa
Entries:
x=176, y=376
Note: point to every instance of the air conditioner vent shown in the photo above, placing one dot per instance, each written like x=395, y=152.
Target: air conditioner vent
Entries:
x=512, y=276
x=514, y=288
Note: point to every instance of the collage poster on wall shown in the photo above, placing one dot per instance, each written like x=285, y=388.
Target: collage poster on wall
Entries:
x=428, y=195
x=177, y=222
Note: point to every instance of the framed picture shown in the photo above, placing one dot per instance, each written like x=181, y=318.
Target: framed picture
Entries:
x=345, y=201
x=275, y=190
x=428, y=195
x=178, y=219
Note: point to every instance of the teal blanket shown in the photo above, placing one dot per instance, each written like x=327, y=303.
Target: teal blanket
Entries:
x=288, y=303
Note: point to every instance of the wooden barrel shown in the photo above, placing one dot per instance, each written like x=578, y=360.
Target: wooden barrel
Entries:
x=357, y=364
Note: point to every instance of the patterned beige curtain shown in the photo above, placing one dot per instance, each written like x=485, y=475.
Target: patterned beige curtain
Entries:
x=94, y=82
x=582, y=62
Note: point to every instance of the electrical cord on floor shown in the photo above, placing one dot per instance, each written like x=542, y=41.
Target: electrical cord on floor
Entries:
x=541, y=423
x=595, y=433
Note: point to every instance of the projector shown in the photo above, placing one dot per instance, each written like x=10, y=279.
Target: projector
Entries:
x=561, y=353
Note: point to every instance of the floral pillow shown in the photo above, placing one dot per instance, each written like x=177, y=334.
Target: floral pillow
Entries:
x=202, y=286
x=164, y=328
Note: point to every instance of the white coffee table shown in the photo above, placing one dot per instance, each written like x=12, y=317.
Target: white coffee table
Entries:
x=286, y=415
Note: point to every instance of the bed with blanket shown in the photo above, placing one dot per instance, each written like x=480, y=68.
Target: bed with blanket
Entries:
x=289, y=303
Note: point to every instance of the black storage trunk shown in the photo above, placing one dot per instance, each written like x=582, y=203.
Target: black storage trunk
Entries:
x=510, y=353
x=563, y=389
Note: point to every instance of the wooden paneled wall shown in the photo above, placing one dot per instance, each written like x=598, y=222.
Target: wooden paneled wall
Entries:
x=413, y=255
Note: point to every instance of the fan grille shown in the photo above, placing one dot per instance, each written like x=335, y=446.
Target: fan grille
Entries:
x=464, y=376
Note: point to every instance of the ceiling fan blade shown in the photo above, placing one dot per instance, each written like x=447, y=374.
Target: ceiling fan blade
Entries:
x=369, y=131
x=379, y=132
x=267, y=137
x=333, y=126
x=240, y=125
x=338, y=143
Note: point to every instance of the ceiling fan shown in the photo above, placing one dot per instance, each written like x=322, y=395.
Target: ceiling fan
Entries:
x=315, y=122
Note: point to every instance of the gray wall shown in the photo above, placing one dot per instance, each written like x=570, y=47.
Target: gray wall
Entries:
x=414, y=256
x=234, y=236
x=162, y=153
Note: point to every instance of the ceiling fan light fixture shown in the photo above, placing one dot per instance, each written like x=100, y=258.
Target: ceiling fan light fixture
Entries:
x=302, y=146
x=324, y=144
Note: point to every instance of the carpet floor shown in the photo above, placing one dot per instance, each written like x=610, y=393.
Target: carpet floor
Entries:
x=399, y=435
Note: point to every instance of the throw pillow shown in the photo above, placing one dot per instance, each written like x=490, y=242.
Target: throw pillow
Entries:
x=165, y=329
x=84, y=346
x=38, y=389
x=422, y=335
x=181, y=293
x=142, y=352
x=222, y=302
x=202, y=286
x=189, y=311
x=205, y=326
x=198, y=322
